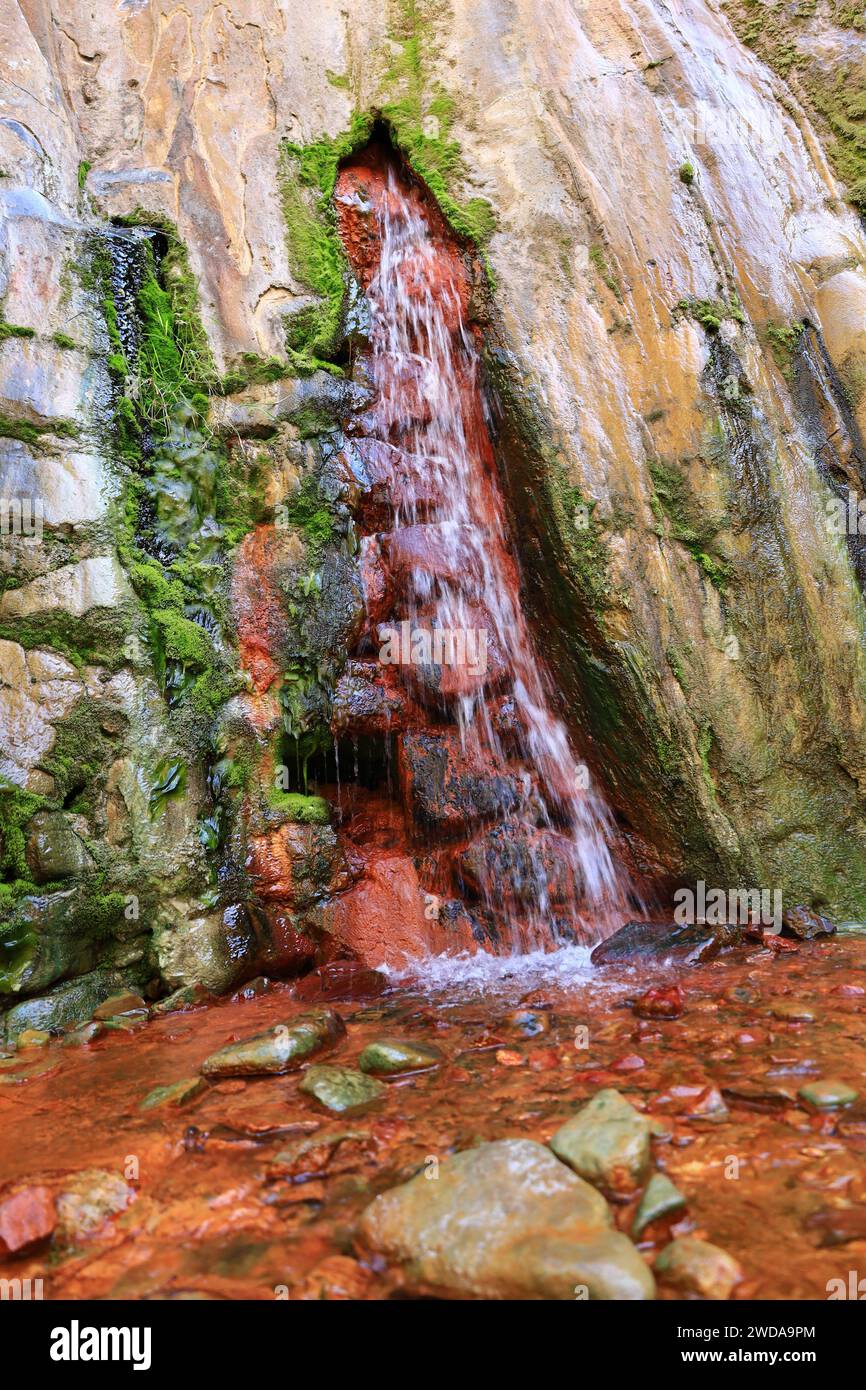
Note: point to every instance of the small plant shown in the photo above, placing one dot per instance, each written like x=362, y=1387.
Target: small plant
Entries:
x=687, y=173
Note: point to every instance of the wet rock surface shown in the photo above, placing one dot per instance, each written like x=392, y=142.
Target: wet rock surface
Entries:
x=286, y=1046
x=506, y=1220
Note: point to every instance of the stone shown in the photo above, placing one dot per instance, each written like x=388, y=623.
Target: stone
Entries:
x=77, y=589
x=87, y=1200
x=806, y=924
x=448, y=791
x=282, y=1048
x=390, y=1056
x=665, y=1002
x=67, y=1004
x=660, y=1198
x=694, y=1267
x=528, y=1023
x=687, y=944
x=174, y=1095
x=27, y=1217
x=54, y=849
x=607, y=1142
x=341, y=979
x=792, y=1011
x=33, y=1037
x=341, y=1088
x=827, y=1094
x=123, y=1003
x=505, y=1220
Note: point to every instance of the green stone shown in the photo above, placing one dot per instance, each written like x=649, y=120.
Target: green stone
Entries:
x=825, y=1095
x=388, y=1056
x=341, y=1088
x=283, y=1047
x=660, y=1198
x=175, y=1094
x=607, y=1142
x=694, y=1267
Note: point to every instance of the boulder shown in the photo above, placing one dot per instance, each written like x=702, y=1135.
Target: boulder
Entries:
x=686, y=944
x=505, y=1220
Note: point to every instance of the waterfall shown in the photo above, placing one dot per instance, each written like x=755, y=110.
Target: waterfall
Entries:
x=542, y=863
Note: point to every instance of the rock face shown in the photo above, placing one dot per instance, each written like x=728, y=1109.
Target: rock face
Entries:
x=506, y=1220
x=680, y=365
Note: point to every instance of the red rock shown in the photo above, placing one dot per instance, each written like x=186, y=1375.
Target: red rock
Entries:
x=666, y=1002
x=341, y=979
x=27, y=1217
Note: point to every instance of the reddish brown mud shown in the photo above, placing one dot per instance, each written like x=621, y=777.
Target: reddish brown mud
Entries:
x=201, y=1206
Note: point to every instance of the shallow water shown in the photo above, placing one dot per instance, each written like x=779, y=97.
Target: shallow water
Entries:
x=210, y=1217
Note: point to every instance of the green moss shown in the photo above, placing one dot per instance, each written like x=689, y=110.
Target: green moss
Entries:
x=689, y=524
x=687, y=174
x=83, y=171
x=14, y=330
x=96, y=640
x=250, y=369
x=80, y=758
x=308, y=810
x=307, y=175
x=710, y=313
x=307, y=511
x=16, y=808
x=599, y=260
x=783, y=340
x=63, y=340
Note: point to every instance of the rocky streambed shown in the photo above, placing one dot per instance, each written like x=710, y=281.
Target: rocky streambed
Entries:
x=541, y=1128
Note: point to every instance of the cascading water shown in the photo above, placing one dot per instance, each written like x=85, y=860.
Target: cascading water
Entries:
x=539, y=853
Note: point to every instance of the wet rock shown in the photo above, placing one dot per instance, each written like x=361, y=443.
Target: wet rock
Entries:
x=336, y=1278
x=792, y=1011
x=66, y=1005
x=666, y=1002
x=827, y=1095
x=364, y=703
x=694, y=1267
x=528, y=1023
x=87, y=1201
x=805, y=924
x=519, y=865
x=282, y=1048
x=505, y=1220
x=341, y=1088
x=838, y=1225
x=123, y=1003
x=27, y=1217
x=33, y=1037
x=660, y=1198
x=187, y=997
x=341, y=979
x=390, y=1056
x=607, y=1142
x=446, y=790
x=54, y=849
x=314, y=1155
x=687, y=944
x=177, y=1093
x=83, y=1036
